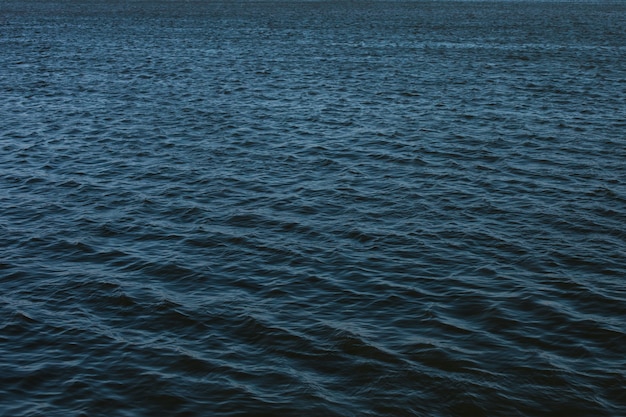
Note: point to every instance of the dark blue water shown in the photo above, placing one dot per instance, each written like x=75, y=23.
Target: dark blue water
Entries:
x=312, y=209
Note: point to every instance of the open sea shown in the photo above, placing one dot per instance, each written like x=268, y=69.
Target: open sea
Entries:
x=304, y=208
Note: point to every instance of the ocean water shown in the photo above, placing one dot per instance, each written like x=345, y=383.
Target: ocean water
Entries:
x=293, y=208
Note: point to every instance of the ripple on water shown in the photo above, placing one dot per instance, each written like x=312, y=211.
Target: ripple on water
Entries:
x=312, y=209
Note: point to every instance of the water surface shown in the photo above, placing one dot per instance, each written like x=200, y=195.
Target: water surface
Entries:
x=312, y=208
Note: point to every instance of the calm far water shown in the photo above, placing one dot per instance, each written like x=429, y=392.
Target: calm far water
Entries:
x=346, y=208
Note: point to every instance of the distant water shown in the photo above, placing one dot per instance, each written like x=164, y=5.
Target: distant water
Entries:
x=312, y=209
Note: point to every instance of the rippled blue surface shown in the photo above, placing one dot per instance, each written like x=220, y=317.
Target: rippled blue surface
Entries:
x=312, y=209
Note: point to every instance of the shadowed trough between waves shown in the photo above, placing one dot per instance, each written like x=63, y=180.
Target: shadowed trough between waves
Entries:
x=312, y=209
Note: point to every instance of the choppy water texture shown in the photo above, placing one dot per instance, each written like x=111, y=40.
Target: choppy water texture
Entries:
x=312, y=209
